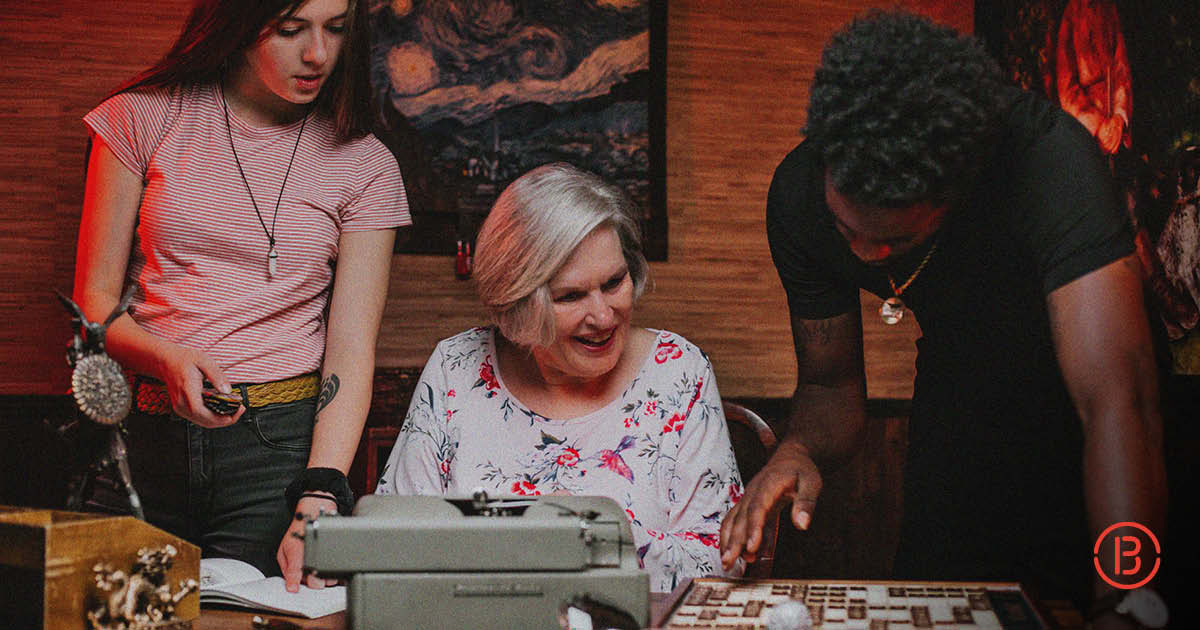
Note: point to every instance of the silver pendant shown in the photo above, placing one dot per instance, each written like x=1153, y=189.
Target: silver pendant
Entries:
x=272, y=256
x=892, y=310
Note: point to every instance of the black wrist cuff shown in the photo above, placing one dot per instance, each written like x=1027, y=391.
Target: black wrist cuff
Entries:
x=329, y=480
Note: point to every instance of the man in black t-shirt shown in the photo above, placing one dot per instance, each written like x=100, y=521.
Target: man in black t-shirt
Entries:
x=991, y=215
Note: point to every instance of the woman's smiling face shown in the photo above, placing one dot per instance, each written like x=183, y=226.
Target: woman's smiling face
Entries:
x=592, y=296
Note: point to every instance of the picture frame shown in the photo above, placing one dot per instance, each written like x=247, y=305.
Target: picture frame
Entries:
x=472, y=95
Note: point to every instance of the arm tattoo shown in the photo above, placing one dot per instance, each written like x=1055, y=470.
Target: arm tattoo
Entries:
x=814, y=332
x=329, y=389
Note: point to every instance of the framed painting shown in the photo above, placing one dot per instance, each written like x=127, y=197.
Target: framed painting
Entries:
x=476, y=92
x=1130, y=72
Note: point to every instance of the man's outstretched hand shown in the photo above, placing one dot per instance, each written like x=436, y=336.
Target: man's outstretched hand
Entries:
x=789, y=474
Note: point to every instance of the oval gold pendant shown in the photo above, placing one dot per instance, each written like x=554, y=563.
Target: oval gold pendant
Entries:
x=892, y=310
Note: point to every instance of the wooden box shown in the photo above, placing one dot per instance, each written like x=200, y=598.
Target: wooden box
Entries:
x=47, y=556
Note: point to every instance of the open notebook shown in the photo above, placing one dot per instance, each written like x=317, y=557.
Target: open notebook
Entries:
x=229, y=582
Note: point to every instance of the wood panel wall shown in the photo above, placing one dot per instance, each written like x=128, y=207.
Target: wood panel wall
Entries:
x=737, y=81
x=60, y=59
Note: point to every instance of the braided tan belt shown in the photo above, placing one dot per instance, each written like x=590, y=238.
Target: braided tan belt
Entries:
x=150, y=396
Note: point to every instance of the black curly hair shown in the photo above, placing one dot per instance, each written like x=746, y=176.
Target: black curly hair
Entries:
x=903, y=110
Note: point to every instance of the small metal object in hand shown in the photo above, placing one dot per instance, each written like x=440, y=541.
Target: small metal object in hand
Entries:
x=220, y=403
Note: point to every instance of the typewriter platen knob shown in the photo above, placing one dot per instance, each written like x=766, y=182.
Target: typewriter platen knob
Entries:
x=479, y=499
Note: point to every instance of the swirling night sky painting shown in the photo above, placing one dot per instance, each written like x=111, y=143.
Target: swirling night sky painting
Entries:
x=476, y=92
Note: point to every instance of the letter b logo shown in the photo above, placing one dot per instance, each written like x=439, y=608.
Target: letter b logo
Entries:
x=1122, y=565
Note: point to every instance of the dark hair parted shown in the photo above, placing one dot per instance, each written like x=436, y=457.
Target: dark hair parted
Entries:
x=217, y=32
x=903, y=110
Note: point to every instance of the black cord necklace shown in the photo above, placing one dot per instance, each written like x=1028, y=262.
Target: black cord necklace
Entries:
x=272, y=255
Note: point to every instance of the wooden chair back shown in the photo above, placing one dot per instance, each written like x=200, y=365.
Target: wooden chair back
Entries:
x=753, y=443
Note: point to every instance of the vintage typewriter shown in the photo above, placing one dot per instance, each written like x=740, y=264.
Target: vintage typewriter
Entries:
x=514, y=562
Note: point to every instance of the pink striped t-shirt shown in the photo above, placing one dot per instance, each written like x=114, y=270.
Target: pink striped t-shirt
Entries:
x=199, y=256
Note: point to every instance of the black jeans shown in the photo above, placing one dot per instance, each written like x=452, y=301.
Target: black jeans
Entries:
x=221, y=489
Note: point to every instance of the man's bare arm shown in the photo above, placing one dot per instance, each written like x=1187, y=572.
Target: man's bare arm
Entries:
x=1102, y=340
x=826, y=423
x=828, y=412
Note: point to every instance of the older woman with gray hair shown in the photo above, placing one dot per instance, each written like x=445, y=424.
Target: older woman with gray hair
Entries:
x=562, y=395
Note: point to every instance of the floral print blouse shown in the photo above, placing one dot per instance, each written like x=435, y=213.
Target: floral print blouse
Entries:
x=661, y=450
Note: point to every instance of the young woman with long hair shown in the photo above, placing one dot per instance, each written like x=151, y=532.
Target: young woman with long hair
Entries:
x=236, y=185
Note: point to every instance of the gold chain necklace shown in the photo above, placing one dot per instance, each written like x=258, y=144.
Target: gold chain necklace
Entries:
x=892, y=309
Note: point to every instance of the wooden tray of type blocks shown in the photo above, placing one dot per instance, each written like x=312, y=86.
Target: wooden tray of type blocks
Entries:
x=46, y=560
x=852, y=604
